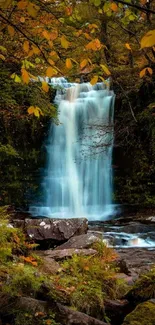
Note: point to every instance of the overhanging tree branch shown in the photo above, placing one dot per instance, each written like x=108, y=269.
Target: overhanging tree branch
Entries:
x=26, y=36
x=144, y=9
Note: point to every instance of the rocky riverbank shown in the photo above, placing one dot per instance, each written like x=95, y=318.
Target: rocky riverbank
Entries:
x=73, y=277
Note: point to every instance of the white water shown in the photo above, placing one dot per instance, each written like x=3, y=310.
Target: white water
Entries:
x=75, y=186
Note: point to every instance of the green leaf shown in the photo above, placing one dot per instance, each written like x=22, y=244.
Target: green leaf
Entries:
x=97, y=3
x=37, y=60
x=3, y=49
x=17, y=79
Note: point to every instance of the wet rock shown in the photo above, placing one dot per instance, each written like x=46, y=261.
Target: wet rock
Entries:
x=143, y=314
x=68, y=316
x=53, y=231
x=136, y=227
x=59, y=254
x=138, y=260
x=82, y=241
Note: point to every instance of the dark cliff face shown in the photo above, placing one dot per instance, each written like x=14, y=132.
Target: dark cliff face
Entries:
x=134, y=151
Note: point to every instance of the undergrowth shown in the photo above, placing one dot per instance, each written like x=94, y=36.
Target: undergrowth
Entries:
x=89, y=280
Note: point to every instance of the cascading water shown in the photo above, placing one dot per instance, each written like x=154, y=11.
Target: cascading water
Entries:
x=74, y=186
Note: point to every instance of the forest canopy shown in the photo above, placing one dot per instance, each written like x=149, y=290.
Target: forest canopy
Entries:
x=71, y=38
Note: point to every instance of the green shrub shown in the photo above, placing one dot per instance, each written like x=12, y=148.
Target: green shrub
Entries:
x=23, y=280
x=88, y=280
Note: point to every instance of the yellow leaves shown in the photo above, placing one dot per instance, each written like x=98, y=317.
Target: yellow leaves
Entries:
x=94, y=80
x=50, y=43
x=54, y=55
x=45, y=86
x=46, y=34
x=94, y=45
x=92, y=26
x=11, y=31
x=25, y=76
x=50, y=72
x=69, y=64
x=16, y=78
x=114, y=6
x=68, y=11
x=78, y=33
x=35, y=49
x=87, y=36
x=105, y=69
x=35, y=110
x=2, y=57
x=22, y=4
x=5, y=3
x=32, y=9
x=83, y=63
x=22, y=20
x=3, y=49
x=26, y=46
x=64, y=42
x=127, y=45
x=144, y=71
x=54, y=34
x=51, y=62
x=148, y=40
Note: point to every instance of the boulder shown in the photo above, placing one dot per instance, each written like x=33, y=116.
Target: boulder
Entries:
x=63, y=315
x=60, y=254
x=49, y=265
x=116, y=310
x=143, y=314
x=56, y=230
x=67, y=316
x=78, y=242
x=138, y=260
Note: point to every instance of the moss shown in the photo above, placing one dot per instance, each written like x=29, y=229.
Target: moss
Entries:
x=144, y=288
x=144, y=314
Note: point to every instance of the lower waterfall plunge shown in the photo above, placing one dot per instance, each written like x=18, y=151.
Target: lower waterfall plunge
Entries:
x=74, y=186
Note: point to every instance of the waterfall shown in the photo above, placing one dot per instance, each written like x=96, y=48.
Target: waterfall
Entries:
x=77, y=181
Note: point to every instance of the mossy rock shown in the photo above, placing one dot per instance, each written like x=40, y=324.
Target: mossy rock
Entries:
x=144, y=288
x=144, y=314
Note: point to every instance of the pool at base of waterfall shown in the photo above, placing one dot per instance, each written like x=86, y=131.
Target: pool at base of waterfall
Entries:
x=91, y=213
